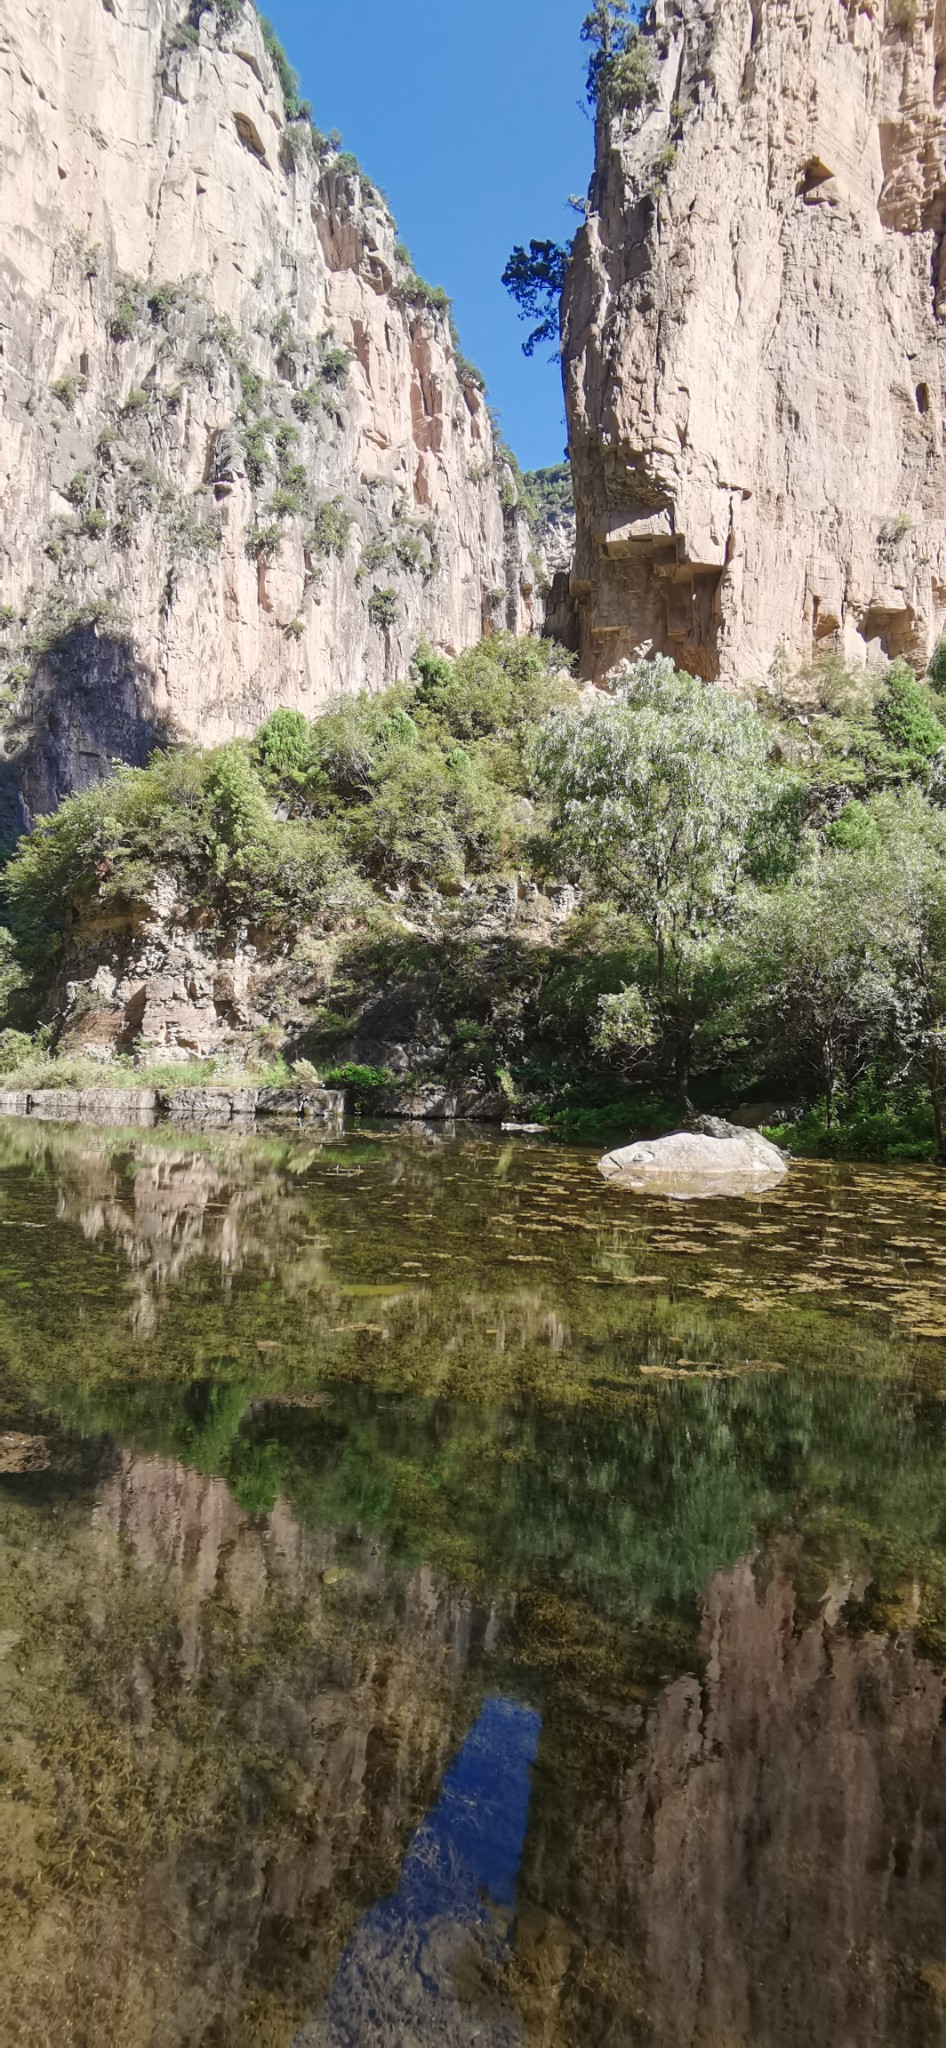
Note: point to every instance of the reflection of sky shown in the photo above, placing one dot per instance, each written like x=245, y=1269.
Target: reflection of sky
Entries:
x=463, y=1860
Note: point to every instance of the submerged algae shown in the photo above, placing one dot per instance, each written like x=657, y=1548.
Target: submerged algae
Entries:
x=300, y=1514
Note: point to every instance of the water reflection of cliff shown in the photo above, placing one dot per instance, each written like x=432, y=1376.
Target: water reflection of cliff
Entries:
x=222, y=1734
x=218, y=1737
x=770, y=1869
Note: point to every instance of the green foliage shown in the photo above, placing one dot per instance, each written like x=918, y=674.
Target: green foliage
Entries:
x=329, y=530
x=548, y=493
x=382, y=608
x=415, y=291
x=15, y=1047
x=163, y=300
x=535, y=278
x=335, y=365
x=126, y=314
x=287, y=76
x=467, y=372
x=500, y=689
x=876, y=1121
x=282, y=333
x=205, y=817
x=307, y=403
x=256, y=452
x=653, y=790
x=620, y=75
x=285, y=503
x=284, y=746
x=65, y=390
x=936, y=671
x=361, y=1082
x=906, y=716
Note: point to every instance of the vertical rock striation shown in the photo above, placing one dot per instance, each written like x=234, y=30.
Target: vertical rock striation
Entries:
x=754, y=343
x=242, y=462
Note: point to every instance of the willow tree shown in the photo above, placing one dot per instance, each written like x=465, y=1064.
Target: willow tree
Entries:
x=660, y=792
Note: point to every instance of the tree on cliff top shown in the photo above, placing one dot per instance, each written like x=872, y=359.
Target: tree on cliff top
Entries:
x=620, y=75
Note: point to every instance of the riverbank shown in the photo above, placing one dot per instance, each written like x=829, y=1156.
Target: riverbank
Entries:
x=202, y=1108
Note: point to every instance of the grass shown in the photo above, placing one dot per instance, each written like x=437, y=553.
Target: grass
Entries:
x=872, y=1125
x=38, y=1069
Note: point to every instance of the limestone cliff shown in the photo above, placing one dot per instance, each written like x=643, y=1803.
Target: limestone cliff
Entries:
x=242, y=463
x=754, y=342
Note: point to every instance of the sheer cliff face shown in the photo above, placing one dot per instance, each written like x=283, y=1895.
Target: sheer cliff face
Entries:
x=241, y=463
x=754, y=344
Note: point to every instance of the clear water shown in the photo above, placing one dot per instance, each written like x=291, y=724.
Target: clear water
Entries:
x=446, y=1600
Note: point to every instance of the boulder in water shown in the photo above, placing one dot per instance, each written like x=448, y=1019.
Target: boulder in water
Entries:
x=716, y=1158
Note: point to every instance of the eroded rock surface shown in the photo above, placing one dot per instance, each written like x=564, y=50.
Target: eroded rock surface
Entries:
x=754, y=344
x=229, y=418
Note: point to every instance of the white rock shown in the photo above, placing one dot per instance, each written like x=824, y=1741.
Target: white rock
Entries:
x=688, y=1164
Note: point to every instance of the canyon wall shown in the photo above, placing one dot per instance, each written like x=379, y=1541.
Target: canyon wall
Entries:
x=242, y=462
x=754, y=343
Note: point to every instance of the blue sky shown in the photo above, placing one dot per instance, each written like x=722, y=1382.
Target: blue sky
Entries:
x=469, y=119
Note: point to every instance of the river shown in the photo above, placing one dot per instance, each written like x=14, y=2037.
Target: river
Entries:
x=447, y=1600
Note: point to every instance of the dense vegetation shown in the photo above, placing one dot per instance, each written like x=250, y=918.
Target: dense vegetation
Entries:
x=762, y=908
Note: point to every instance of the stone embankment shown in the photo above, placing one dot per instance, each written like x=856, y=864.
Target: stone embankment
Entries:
x=201, y=1108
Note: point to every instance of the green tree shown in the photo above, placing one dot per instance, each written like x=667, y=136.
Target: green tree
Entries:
x=535, y=278
x=620, y=74
x=906, y=716
x=821, y=976
x=657, y=793
x=908, y=879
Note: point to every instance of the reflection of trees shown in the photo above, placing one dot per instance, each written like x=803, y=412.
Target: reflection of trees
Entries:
x=458, y=1268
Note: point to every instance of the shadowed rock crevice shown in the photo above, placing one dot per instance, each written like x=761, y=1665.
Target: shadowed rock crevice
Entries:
x=90, y=705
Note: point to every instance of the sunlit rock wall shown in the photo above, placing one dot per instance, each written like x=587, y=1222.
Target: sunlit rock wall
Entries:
x=208, y=511
x=754, y=344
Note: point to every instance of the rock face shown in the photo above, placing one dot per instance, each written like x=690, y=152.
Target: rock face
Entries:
x=754, y=344
x=242, y=462
x=692, y=1163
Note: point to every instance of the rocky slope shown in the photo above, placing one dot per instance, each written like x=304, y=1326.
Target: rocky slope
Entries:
x=241, y=459
x=754, y=342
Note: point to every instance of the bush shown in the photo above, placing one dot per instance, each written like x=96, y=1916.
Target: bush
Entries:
x=382, y=608
x=936, y=672
x=284, y=746
x=415, y=291
x=287, y=76
x=336, y=363
x=124, y=321
x=205, y=817
x=285, y=503
x=906, y=716
x=329, y=531
x=307, y=403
